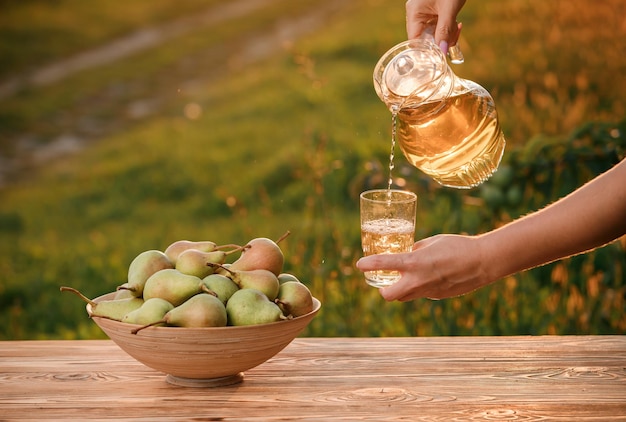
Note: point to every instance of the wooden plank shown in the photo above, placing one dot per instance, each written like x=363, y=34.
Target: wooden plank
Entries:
x=451, y=378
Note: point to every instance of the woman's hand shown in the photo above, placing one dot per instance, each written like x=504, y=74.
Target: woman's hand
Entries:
x=423, y=13
x=438, y=267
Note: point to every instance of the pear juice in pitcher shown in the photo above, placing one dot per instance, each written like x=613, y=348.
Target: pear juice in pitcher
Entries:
x=456, y=140
x=446, y=126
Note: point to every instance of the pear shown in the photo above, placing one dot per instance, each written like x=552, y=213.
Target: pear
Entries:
x=294, y=299
x=221, y=285
x=202, y=310
x=260, y=279
x=261, y=253
x=150, y=312
x=175, y=249
x=123, y=292
x=111, y=309
x=285, y=277
x=252, y=307
x=173, y=286
x=142, y=267
x=195, y=262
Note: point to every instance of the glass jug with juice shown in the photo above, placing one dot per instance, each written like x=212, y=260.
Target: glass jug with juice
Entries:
x=446, y=126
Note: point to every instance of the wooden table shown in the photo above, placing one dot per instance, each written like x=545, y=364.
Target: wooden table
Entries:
x=321, y=379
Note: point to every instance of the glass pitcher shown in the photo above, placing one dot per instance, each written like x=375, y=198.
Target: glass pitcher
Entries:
x=446, y=126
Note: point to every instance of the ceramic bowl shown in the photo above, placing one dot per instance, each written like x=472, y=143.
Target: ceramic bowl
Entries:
x=204, y=357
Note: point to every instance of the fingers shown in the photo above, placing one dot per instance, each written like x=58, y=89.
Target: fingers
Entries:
x=385, y=262
x=400, y=262
x=447, y=27
x=421, y=14
x=410, y=288
x=396, y=261
x=445, y=35
x=417, y=23
x=411, y=285
x=393, y=292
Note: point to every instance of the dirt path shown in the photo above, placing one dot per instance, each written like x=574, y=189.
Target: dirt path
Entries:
x=151, y=37
x=76, y=128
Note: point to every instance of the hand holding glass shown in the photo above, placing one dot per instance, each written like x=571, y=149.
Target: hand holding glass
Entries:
x=387, y=226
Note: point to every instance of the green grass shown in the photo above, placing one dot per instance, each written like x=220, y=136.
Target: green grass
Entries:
x=38, y=31
x=287, y=144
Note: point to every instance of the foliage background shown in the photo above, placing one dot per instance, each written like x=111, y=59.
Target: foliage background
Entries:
x=230, y=150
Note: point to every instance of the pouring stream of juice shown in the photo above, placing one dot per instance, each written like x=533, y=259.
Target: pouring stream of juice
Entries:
x=394, y=117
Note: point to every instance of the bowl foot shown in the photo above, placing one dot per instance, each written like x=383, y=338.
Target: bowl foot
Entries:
x=205, y=383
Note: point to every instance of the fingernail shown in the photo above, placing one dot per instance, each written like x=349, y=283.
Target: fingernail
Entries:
x=443, y=45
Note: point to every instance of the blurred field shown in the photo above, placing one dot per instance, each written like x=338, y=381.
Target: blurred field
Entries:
x=229, y=150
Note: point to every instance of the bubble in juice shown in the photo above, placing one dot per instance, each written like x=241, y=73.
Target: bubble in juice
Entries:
x=386, y=236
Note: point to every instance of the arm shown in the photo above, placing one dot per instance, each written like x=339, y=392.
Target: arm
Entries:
x=590, y=217
x=451, y=265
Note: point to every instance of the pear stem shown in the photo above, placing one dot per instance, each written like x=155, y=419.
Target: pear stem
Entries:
x=132, y=289
x=79, y=294
x=285, y=307
x=229, y=245
x=136, y=330
x=214, y=264
x=287, y=233
x=205, y=289
x=237, y=248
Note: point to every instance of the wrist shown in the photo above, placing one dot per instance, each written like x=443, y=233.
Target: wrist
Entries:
x=492, y=262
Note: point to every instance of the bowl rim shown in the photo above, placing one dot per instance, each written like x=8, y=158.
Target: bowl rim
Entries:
x=317, y=304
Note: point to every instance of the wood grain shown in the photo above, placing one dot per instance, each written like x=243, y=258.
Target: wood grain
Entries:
x=320, y=379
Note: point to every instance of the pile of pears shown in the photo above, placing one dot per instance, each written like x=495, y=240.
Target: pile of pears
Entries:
x=190, y=284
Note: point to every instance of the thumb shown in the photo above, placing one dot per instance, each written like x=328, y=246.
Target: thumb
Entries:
x=394, y=261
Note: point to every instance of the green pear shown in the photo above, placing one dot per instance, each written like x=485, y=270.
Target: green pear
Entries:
x=196, y=262
x=252, y=307
x=221, y=285
x=142, y=267
x=261, y=253
x=123, y=292
x=175, y=249
x=173, y=286
x=285, y=277
x=111, y=309
x=294, y=299
x=150, y=312
x=201, y=310
x=260, y=279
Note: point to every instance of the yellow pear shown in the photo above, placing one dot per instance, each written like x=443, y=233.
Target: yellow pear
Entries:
x=261, y=253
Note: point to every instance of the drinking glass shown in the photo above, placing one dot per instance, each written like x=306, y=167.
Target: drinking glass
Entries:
x=387, y=226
